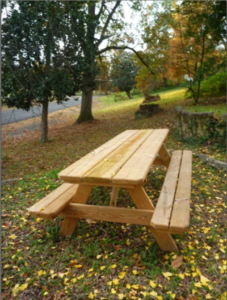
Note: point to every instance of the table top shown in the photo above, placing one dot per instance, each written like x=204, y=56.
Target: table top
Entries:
x=125, y=159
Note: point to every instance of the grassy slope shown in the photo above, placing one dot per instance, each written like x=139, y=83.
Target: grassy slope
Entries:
x=102, y=259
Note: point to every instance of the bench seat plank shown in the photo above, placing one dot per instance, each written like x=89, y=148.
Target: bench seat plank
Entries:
x=50, y=206
x=108, y=168
x=163, y=209
x=181, y=209
x=76, y=171
x=136, y=168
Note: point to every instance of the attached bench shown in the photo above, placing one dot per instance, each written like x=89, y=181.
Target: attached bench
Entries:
x=51, y=205
x=124, y=162
x=172, y=211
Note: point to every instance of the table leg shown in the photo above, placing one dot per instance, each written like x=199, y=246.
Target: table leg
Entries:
x=164, y=155
x=142, y=201
x=82, y=194
x=113, y=200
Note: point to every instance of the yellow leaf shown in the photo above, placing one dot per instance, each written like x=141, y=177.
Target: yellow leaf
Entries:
x=23, y=287
x=181, y=275
x=15, y=290
x=224, y=296
x=198, y=272
x=159, y=298
x=172, y=295
x=120, y=296
x=40, y=273
x=204, y=280
x=109, y=283
x=134, y=272
x=113, y=266
x=128, y=286
x=121, y=275
x=61, y=275
x=13, y=236
x=113, y=291
x=153, y=294
x=152, y=284
x=80, y=277
x=208, y=296
x=116, y=281
x=102, y=268
x=78, y=266
x=74, y=280
x=198, y=284
x=6, y=266
x=144, y=293
x=98, y=256
x=167, y=274
x=91, y=296
x=135, y=286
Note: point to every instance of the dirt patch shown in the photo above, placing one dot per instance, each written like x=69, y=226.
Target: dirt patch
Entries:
x=67, y=115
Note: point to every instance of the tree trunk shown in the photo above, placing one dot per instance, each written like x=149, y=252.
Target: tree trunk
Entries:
x=165, y=82
x=86, y=108
x=44, y=124
x=128, y=94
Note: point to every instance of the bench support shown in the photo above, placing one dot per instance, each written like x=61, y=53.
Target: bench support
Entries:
x=81, y=196
x=113, y=200
x=142, y=201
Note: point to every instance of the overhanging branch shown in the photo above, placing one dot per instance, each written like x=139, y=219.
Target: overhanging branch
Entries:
x=124, y=48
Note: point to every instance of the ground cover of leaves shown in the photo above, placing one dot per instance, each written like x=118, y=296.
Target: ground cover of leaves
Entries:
x=105, y=260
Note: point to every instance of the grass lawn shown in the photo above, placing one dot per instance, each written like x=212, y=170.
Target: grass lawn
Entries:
x=104, y=260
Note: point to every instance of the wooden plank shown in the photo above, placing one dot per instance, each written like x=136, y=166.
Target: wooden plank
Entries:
x=113, y=200
x=107, y=168
x=86, y=163
x=97, y=183
x=163, y=209
x=181, y=209
x=136, y=168
x=52, y=204
x=140, y=198
x=142, y=201
x=69, y=224
x=109, y=214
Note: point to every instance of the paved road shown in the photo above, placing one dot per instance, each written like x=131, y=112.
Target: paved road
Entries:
x=16, y=115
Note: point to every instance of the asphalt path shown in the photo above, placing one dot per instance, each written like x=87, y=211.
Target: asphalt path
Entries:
x=15, y=115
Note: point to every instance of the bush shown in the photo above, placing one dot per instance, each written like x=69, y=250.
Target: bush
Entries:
x=214, y=86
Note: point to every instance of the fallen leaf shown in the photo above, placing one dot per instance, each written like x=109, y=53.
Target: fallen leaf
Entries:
x=177, y=262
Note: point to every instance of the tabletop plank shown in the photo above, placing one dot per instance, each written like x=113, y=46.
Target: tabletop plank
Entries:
x=107, y=168
x=75, y=171
x=136, y=168
x=163, y=208
x=180, y=214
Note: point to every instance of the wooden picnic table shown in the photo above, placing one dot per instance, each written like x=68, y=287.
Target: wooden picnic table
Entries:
x=124, y=162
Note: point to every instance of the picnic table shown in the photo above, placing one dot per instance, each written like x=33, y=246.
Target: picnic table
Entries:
x=124, y=162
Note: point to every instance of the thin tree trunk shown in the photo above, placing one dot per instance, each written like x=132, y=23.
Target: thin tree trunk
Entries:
x=44, y=125
x=128, y=94
x=86, y=108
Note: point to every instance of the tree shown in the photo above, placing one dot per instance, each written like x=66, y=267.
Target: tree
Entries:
x=102, y=22
x=40, y=62
x=156, y=38
x=124, y=72
x=193, y=43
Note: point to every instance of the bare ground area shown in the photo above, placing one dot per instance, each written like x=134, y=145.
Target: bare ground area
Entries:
x=32, y=126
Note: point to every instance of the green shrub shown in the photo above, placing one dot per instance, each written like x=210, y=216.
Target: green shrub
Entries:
x=214, y=86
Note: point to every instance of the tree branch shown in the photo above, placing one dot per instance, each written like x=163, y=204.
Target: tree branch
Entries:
x=108, y=21
x=123, y=48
